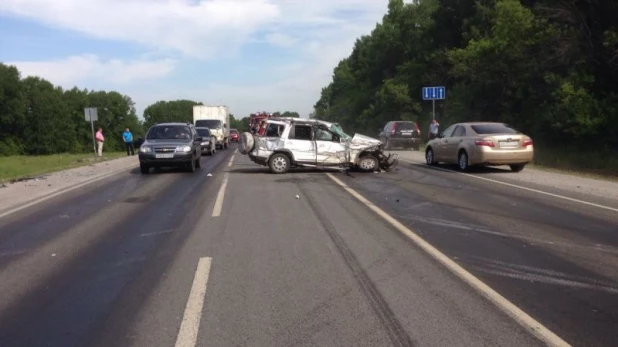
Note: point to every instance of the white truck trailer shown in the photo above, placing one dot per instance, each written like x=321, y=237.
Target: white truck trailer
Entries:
x=215, y=118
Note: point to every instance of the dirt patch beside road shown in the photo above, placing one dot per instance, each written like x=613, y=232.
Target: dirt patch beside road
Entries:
x=22, y=192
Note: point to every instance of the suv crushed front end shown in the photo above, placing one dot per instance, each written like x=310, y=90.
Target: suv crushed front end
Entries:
x=320, y=144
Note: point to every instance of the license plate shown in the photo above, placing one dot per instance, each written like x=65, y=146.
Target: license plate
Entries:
x=509, y=144
x=164, y=156
x=406, y=134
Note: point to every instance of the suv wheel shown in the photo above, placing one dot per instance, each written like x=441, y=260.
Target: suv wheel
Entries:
x=279, y=163
x=368, y=163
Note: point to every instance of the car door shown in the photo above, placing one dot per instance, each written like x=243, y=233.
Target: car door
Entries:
x=453, y=142
x=330, y=150
x=197, y=145
x=300, y=143
x=441, y=150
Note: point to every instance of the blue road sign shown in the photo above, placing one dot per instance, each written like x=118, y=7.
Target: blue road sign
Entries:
x=434, y=93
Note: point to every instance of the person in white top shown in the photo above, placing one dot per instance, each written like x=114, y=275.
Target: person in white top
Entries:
x=433, y=129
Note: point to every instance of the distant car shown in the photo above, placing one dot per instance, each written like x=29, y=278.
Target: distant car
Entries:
x=401, y=134
x=234, y=135
x=208, y=141
x=481, y=144
x=171, y=145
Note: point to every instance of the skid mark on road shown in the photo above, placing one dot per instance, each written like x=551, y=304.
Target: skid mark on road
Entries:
x=534, y=274
x=395, y=331
x=516, y=186
x=533, y=240
x=189, y=328
x=521, y=317
x=155, y=233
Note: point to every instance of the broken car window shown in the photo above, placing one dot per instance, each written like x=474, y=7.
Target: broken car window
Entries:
x=336, y=128
x=323, y=135
x=302, y=132
x=274, y=130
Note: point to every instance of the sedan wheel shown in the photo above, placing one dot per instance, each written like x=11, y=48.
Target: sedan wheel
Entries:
x=429, y=157
x=463, y=161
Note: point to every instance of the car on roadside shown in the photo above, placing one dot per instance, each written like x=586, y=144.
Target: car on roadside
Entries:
x=293, y=142
x=171, y=145
x=404, y=134
x=234, y=134
x=481, y=144
x=208, y=140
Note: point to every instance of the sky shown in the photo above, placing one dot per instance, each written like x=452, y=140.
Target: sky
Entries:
x=251, y=55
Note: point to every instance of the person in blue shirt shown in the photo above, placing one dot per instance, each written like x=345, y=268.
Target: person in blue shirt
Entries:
x=128, y=141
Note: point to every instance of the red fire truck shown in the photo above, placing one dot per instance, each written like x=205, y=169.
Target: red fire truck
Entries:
x=255, y=118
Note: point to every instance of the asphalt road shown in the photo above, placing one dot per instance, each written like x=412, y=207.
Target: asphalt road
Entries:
x=247, y=258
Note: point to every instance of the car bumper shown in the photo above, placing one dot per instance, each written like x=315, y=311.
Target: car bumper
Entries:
x=178, y=159
x=206, y=148
x=495, y=157
x=405, y=141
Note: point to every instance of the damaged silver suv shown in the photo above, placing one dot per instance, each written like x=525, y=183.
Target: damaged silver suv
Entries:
x=294, y=142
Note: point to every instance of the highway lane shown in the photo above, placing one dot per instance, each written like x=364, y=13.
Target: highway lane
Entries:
x=115, y=262
x=67, y=261
x=555, y=259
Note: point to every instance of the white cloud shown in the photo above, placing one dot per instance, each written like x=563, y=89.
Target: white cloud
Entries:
x=323, y=31
x=198, y=30
x=76, y=69
x=281, y=40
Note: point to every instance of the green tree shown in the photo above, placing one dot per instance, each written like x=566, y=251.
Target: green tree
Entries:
x=169, y=111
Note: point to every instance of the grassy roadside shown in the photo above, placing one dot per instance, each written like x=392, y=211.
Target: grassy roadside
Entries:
x=596, y=164
x=16, y=167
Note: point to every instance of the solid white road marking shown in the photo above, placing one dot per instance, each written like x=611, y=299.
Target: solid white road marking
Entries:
x=519, y=187
x=61, y=191
x=506, y=306
x=231, y=161
x=216, y=211
x=189, y=328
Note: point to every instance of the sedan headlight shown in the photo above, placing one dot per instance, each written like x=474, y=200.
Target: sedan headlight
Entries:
x=145, y=149
x=183, y=149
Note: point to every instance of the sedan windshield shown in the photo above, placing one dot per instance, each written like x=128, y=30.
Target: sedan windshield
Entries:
x=172, y=132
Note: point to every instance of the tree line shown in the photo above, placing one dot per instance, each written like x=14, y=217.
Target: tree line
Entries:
x=547, y=67
x=182, y=111
x=39, y=118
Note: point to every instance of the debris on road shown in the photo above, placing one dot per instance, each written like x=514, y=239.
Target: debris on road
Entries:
x=297, y=196
x=209, y=175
